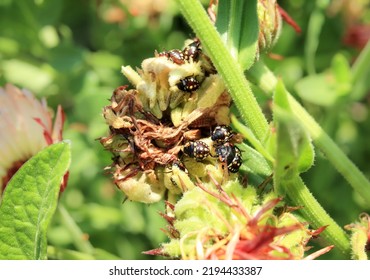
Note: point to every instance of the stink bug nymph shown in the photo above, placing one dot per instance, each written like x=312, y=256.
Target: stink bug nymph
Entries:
x=221, y=134
x=196, y=149
x=230, y=155
x=192, y=51
x=176, y=56
x=188, y=84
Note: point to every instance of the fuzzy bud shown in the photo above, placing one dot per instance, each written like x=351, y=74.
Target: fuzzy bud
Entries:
x=270, y=22
x=219, y=219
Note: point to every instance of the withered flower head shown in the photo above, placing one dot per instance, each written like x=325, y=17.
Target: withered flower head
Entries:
x=169, y=135
x=26, y=128
x=161, y=128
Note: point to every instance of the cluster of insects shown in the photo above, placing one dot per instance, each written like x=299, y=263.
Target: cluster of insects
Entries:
x=225, y=150
x=156, y=127
x=221, y=136
x=190, y=53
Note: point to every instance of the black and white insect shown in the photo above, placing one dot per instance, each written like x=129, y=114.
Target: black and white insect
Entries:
x=196, y=149
x=230, y=155
x=192, y=51
x=188, y=84
x=221, y=134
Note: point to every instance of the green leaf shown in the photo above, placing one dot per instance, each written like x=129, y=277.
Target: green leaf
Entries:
x=294, y=154
x=294, y=151
x=249, y=136
x=341, y=69
x=254, y=162
x=237, y=22
x=223, y=18
x=261, y=75
x=29, y=202
x=318, y=89
x=326, y=88
x=342, y=74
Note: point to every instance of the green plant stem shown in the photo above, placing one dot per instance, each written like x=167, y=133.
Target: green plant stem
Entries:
x=312, y=211
x=240, y=90
x=80, y=242
x=361, y=64
x=227, y=67
x=65, y=254
x=360, y=73
x=266, y=80
x=315, y=25
x=248, y=135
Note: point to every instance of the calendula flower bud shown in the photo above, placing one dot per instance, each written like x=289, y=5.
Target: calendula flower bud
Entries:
x=270, y=22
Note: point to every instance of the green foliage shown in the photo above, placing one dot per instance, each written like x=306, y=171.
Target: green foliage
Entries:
x=71, y=53
x=295, y=146
x=294, y=150
x=29, y=202
x=237, y=23
x=328, y=88
x=294, y=155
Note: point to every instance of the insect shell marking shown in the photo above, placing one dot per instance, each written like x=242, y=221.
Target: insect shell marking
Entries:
x=176, y=56
x=221, y=134
x=188, y=84
x=231, y=155
x=196, y=149
x=192, y=51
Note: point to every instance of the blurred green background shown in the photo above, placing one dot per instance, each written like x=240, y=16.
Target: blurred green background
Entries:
x=71, y=53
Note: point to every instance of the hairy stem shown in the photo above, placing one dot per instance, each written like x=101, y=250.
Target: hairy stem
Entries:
x=313, y=212
x=267, y=81
x=227, y=67
x=360, y=74
x=81, y=243
x=250, y=111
